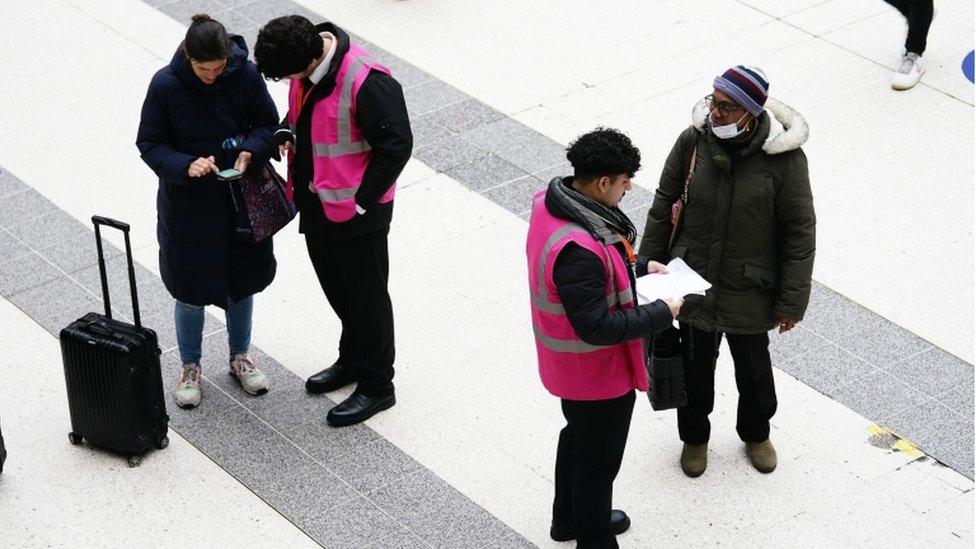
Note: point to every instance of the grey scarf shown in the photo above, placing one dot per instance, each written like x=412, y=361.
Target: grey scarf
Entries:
x=606, y=224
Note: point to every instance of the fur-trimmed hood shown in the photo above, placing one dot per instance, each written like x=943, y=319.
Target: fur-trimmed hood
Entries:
x=788, y=129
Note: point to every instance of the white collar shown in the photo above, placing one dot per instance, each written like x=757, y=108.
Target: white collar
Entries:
x=320, y=71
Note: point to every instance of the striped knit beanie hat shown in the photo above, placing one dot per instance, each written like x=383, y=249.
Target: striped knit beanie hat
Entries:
x=747, y=86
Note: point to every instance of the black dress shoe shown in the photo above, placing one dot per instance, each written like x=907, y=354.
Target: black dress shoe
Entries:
x=330, y=379
x=357, y=409
x=619, y=523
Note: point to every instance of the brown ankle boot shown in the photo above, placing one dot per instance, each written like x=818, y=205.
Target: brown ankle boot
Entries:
x=762, y=455
x=694, y=459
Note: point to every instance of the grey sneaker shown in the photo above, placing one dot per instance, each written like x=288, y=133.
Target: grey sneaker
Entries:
x=188, y=388
x=252, y=380
x=911, y=69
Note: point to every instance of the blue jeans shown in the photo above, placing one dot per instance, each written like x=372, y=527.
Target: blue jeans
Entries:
x=189, y=328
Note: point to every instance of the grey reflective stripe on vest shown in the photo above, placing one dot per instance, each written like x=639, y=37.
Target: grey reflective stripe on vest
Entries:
x=344, y=144
x=575, y=346
x=334, y=195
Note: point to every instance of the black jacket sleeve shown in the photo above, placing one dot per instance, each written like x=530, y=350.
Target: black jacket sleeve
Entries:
x=155, y=142
x=381, y=113
x=581, y=284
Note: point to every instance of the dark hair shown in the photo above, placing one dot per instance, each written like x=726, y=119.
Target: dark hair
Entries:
x=603, y=152
x=286, y=45
x=206, y=39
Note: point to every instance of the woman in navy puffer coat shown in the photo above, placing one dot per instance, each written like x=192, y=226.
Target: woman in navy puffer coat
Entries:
x=207, y=111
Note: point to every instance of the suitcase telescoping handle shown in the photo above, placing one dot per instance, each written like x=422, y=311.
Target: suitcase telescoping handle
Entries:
x=124, y=227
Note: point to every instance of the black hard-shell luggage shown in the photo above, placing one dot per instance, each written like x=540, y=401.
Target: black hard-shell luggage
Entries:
x=111, y=368
x=3, y=452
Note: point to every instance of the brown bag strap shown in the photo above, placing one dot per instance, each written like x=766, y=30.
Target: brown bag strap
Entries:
x=691, y=160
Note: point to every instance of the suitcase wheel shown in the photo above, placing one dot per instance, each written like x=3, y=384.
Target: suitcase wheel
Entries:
x=134, y=461
x=74, y=438
x=163, y=443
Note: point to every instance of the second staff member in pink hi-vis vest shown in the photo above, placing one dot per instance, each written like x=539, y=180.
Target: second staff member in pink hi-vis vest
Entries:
x=347, y=138
x=589, y=329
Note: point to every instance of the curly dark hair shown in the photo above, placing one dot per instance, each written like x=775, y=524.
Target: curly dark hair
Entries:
x=286, y=45
x=603, y=152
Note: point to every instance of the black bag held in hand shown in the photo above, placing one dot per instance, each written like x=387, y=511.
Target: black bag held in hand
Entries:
x=666, y=371
x=261, y=203
x=111, y=369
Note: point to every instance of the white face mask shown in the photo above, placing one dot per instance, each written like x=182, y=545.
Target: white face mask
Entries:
x=727, y=131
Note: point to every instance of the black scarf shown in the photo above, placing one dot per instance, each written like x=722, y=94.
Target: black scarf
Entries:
x=606, y=224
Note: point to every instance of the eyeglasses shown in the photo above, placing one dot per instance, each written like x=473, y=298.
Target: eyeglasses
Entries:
x=723, y=107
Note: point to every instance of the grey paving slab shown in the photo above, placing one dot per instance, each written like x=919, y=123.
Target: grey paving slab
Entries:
x=11, y=247
x=466, y=115
x=68, y=313
x=21, y=207
x=290, y=481
x=25, y=272
x=358, y=523
x=833, y=316
x=326, y=443
x=933, y=372
x=565, y=169
x=235, y=21
x=438, y=513
x=190, y=423
x=222, y=432
x=638, y=216
x=879, y=396
x=9, y=184
x=373, y=465
x=426, y=131
x=117, y=272
x=959, y=399
x=78, y=252
x=406, y=74
x=448, y=153
x=48, y=230
x=516, y=196
x=154, y=298
x=288, y=406
x=523, y=147
x=798, y=341
x=827, y=369
x=430, y=96
x=485, y=172
x=883, y=343
x=959, y=455
x=262, y=11
x=936, y=430
x=47, y=299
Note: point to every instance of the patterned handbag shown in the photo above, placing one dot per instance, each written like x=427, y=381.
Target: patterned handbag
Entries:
x=268, y=208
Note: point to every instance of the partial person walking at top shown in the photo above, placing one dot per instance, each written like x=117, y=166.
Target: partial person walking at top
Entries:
x=347, y=137
x=748, y=228
x=918, y=14
x=206, y=111
x=589, y=329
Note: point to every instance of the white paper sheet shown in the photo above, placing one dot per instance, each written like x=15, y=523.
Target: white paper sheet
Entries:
x=681, y=280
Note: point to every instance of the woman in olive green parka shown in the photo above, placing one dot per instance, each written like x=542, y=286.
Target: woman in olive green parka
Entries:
x=748, y=227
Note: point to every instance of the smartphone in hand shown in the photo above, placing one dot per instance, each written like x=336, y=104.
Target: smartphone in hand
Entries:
x=229, y=174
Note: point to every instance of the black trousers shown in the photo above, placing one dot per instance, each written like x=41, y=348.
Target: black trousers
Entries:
x=919, y=16
x=753, y=378
x=353, y=273
x=591, y=447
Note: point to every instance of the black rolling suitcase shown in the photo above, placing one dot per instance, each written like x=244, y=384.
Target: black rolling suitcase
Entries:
x=111, y=368
x=3, y=452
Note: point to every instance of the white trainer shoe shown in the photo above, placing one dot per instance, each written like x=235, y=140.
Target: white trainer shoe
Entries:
x=252, y=380
x=188, y=388
x=912, y=68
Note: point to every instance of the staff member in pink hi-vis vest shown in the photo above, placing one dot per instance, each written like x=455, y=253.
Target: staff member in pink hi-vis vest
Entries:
x=347, y=137
x=589, y=329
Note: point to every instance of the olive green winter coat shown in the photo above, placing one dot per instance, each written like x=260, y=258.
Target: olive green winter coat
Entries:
x=749, y=224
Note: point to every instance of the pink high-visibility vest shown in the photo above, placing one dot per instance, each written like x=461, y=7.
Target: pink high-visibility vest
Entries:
x=569, y=367
x=340, y=153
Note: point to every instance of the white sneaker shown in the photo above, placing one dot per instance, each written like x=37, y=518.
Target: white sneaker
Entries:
x=912, y=68
x=252, y=380
x=188, y=388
